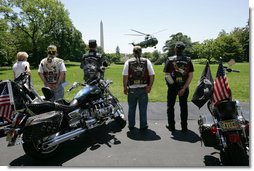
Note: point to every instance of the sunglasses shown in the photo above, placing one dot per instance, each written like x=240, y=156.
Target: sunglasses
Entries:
x=51, y=52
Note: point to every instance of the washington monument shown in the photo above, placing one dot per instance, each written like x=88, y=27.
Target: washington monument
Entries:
x=101, y=36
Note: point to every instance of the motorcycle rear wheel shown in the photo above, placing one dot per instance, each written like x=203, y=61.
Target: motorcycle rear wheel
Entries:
x=234, y=155
x=34, y=150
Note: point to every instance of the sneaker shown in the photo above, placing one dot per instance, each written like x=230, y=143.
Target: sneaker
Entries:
x=143, y=128
x=171, y=128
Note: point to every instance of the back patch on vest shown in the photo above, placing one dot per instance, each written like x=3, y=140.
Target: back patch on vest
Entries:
x=138, y=73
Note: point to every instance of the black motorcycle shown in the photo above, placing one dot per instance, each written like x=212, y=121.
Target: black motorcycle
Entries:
x=42, y=127
x=228, y=131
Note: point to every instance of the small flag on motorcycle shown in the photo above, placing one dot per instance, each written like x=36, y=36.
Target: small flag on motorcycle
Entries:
x=6, y=100
x=204, y=89
x=221, y=87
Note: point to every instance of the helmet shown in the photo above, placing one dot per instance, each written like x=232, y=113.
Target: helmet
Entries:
x=92, y=44
x=180, y=45
x=137, y=50
x=52, y=49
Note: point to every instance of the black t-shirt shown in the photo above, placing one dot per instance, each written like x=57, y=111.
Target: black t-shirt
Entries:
x=179, y=67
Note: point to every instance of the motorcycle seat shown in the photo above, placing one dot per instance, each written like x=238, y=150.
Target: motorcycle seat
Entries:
x=51, y=106
x=41, y=107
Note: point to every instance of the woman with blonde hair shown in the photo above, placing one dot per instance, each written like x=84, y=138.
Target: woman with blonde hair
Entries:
x=21, y=65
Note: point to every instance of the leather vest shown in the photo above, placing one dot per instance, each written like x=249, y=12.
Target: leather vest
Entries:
x=51, y=71
x=91, y=63
x=179, y=68
x=138, y=72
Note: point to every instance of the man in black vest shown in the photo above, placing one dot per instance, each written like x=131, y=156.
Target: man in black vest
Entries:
x=178, y=74
x=92, y=63
x=138, y=77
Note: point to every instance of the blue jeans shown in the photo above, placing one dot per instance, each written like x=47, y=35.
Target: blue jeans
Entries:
x=140, y=97
x=58, y=93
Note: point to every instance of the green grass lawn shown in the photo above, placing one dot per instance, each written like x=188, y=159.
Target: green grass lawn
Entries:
x=238, y=82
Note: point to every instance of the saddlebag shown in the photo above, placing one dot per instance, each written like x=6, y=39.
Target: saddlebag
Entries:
x=207, y=136
x=43, y=125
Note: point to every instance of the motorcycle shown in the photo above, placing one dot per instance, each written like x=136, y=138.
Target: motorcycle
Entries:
x=228, y=132
x=43, y=127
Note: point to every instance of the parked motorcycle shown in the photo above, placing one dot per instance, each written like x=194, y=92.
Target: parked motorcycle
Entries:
x=228, y=132
x=42, y=127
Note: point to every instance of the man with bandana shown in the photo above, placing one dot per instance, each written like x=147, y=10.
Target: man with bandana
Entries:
x=52, y=72
x=138, y=78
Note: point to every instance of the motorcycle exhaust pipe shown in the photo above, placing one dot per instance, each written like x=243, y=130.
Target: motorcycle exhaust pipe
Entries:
x=62, y=138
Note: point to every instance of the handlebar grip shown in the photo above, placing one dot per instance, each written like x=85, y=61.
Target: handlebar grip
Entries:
x=70, y=89
x=233, y=70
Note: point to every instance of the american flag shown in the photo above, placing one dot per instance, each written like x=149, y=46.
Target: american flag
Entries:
x=5, y=103
x=221, y=87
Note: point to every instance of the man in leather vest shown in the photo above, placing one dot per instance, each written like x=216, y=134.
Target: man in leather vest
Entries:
x=92, y=63
x=52, y=72
x=138, y=78
x=178, y=75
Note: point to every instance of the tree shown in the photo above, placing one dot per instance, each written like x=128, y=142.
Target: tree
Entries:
x=118, y=50
x=155, y=56
x=242, y=36
x=7, y=44
x=208, y=50
x=229, y=48
x=41, y=22
x=170, y=44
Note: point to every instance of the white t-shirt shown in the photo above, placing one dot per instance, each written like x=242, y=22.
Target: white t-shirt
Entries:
x=19, y=67
x=126, y=71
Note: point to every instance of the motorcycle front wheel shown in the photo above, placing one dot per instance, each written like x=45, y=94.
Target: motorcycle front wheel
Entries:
x=35, y=150
x=119, y=116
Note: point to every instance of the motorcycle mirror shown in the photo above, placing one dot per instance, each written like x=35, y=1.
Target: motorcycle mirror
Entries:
x=231, y=62
x=47, y=92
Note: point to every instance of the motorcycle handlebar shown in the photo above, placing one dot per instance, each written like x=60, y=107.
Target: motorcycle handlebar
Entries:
x=74, y=85
x=231, y=70
x=100, y=81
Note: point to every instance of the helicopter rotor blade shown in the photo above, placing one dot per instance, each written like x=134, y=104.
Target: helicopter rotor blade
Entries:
x=134, y=34
x=159, y=31
x=139, y=32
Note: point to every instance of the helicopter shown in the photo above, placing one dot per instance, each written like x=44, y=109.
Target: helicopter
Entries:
x=150, y=41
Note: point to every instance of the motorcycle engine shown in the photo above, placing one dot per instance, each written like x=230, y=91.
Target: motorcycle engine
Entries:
x=100, y=109
x=77, y=116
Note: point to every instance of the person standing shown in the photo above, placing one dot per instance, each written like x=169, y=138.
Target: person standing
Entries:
x=93, y=63
x=138, y=78
x=21, y=65
x=52, y=72
x=178, y=75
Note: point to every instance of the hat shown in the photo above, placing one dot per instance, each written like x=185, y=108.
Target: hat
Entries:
x=137, y=49
x=180, y=45
x=92, y=44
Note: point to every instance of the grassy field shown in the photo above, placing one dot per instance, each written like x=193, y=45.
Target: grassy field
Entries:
x=238, y=82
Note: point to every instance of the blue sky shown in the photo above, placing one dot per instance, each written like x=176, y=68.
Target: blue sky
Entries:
x=199, y=19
